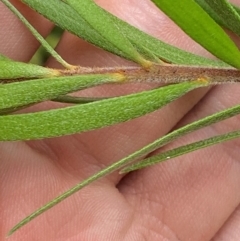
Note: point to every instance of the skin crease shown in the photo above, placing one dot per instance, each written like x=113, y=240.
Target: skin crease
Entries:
x=194, y=197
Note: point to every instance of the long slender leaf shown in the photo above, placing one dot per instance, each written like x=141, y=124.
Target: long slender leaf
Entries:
x=190, y=16
x=32, y=91
x=68, y=19
x=90, y=116
x=182, y=150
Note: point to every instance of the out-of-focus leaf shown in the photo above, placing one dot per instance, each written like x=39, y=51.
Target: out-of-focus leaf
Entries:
x=202, y=28
x=210, y=11
x=223, y=13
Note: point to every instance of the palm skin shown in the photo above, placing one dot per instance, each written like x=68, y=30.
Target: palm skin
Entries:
x=194, y=197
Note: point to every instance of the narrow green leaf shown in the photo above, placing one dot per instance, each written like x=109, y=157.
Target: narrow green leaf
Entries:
x=90, y=116
x=202, y=28
x=182, y=150
x=33, y=91
x=223, y=13
x=18, y=70
x=68, y=19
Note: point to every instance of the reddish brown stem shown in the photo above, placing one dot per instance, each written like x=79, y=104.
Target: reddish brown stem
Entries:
x=167, y=73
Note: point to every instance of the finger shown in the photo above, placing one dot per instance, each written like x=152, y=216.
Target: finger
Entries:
x=16, y=40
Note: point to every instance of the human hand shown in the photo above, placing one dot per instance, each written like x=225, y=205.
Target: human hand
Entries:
x=194, y=197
